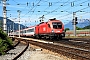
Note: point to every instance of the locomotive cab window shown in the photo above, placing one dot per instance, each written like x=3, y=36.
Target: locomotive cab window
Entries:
x=57, y=25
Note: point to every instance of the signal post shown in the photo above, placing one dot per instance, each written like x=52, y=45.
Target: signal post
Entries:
x=74, y=23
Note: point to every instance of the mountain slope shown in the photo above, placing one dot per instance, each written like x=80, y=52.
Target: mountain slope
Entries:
x=81, y=24
x=87, y=27
x=10, y=24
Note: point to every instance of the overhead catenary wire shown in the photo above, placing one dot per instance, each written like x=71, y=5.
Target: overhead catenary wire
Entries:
x=60, y=4
x=32, y=8
x=72, y=12
x=55, y=9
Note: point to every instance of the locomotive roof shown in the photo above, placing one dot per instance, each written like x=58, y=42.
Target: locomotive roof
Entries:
x=49, y=21
x=52, y=19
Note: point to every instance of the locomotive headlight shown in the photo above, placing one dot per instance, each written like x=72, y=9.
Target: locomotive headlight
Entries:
x=63, y=31
x=52, y=31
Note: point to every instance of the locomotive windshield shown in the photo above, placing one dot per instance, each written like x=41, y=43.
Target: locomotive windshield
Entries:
x=57, y=25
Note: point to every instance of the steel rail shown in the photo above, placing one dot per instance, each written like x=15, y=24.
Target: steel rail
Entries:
x=15, y=58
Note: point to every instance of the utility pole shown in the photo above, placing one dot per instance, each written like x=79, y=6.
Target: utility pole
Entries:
x=8, y=31
x=19, y=20
x=13, y=26
x=4, y=16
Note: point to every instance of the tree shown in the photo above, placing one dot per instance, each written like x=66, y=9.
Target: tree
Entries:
x=87, y=27
x=66, y=29
x=77, y=28
x=5, y=42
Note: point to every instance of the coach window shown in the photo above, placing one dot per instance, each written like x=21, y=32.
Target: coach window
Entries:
x=30, y=30
x=21, y=31
x=17, y=32
x=24, y=31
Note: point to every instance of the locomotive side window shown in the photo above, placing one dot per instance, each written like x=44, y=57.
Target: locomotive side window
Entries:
x=57, y=25
x=49, y=25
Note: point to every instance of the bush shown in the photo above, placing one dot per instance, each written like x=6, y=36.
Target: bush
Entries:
x=5, y=42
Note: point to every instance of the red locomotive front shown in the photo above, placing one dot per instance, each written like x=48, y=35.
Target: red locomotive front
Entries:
x=51, y=29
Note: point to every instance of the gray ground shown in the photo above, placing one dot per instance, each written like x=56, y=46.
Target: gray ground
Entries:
x=32, y=54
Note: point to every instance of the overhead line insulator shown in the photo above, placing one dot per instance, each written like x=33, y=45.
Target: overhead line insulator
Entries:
x=33, y=4
x=88, y=4
x=27, y=3
x=50, y=4
x=72, y=4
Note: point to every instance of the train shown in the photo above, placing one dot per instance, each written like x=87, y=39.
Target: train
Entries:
x=51, y=29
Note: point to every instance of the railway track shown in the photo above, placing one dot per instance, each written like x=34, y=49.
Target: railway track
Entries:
x=69, y=51
x=15, y=58
x=14, y=54
x=83, y=43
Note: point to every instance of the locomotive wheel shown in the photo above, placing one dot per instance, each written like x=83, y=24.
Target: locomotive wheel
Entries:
x=50, y=37
x=60, y=38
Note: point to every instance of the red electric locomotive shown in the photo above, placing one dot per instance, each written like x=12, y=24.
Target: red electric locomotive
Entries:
x=51, y=29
